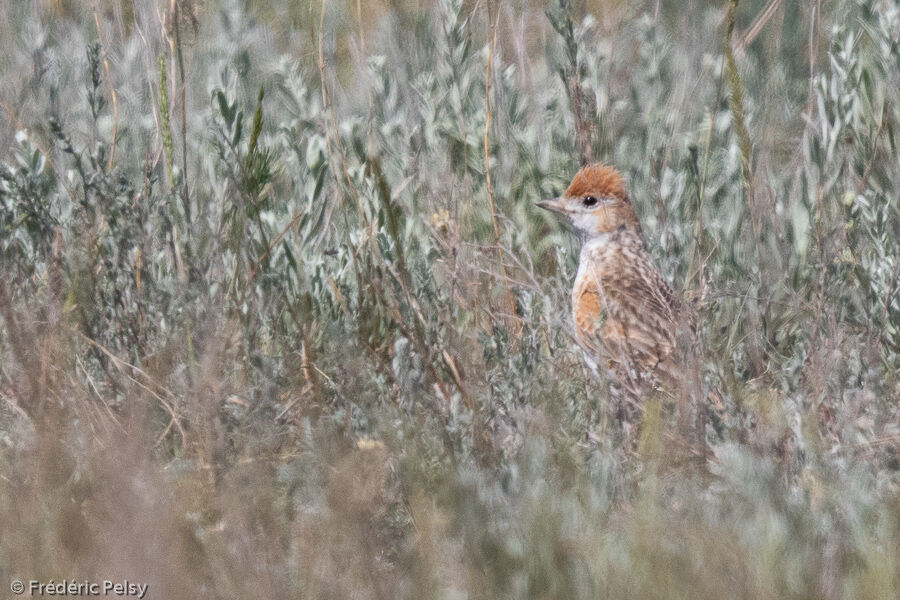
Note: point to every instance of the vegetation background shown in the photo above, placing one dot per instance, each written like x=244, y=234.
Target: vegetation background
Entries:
x=278, y=317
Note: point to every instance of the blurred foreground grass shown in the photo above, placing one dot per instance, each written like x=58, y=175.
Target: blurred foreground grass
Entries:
x=261, y=334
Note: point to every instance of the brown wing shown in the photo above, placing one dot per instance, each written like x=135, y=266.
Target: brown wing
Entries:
x=637, y=335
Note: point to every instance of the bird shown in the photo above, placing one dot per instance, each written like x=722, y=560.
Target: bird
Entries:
x=627, y=319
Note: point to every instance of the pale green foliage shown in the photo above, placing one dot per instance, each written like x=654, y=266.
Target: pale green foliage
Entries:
x=207, y=357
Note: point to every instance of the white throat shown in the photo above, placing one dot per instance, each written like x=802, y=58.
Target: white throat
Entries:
x=596, y=242
x=584, y=221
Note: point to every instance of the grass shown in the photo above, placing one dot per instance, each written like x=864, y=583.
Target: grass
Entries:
x=278, y=316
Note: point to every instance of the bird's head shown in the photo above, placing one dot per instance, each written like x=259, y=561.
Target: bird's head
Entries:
x=595, y=202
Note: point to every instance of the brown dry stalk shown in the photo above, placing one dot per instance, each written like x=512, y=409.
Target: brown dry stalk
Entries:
x=365, y=54
x=331, y=128
x=274, y=242
x=457, y=379
x=175, y=51
x=169, y=407
x=20, y=347
x=514, y=325
x=584, y=125
x=757, y=26
x=181, y=91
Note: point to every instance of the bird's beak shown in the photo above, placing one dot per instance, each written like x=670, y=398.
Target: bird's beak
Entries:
x=553, y=205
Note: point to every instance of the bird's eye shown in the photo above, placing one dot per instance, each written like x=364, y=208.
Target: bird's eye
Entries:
x=589, y=201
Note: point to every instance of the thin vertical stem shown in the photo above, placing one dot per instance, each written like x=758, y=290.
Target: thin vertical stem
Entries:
x=510, y=301
x=112, y=92
x=179, y=55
